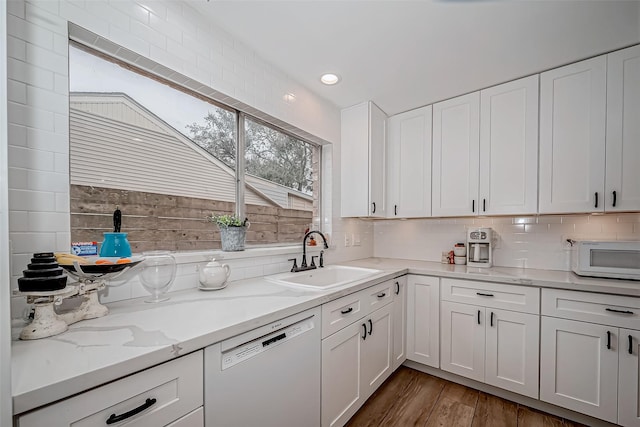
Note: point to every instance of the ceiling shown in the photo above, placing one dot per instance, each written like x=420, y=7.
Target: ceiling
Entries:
x=406, y=54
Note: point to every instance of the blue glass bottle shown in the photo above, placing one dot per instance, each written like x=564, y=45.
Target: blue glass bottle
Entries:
x=115, y=245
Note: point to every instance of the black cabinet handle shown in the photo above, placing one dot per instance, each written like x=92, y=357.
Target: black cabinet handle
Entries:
x=608, y=340
x=117, y=418
x=395, y=209
x=484, y=205
x=347, y=311
x=478, y=317
x=614, y=198
x=382, y=295
x=630, y=344
x=473, y=205
x=364, y=334
x=596, y=199
x=483, y=294
x=374, y=207
x=370, y=326
x=397, y=288
x=492, y=319
x=613, y=310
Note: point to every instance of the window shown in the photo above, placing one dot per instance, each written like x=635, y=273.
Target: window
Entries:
x=166, y=156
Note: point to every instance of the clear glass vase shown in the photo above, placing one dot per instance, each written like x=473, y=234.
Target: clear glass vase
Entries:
x=157, y=274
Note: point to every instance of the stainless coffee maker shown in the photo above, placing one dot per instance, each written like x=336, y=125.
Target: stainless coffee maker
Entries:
x=479, y=247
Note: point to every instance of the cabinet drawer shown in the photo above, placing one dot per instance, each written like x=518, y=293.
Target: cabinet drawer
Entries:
x=380, y=295
x=169, y=391
x=614, y=310
x=342, y=312
x=496, y=295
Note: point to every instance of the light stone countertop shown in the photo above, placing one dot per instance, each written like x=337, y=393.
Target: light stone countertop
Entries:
x=136, y=335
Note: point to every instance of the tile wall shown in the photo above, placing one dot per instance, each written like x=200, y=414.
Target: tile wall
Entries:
x=529, y=242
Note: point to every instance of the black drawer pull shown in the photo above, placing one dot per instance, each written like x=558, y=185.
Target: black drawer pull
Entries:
x=347, y=311
x=364, y=333
x=484, y=205
x=395, y=209
x=374, y=207
x=397, y=288
x=370, y=326
x=473, y=205
x=596, y=200
x=382, y=295
x=608, y=340
x=483, y=294
x=117, y=418
x=492, y=319
x=630, y=344
x=614, y=199
x=478, y=317
x=613, y=310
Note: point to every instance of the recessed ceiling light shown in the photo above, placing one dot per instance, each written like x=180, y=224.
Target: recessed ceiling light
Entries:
x=330, y=79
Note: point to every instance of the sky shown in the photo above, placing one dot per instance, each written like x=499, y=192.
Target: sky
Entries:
x=89, y=73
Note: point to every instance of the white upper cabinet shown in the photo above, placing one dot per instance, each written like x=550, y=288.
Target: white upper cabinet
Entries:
x=622, y=189
x=409, y=164
x=456, y=144
x=509, y=148
x=363, y=134
x=572, y=137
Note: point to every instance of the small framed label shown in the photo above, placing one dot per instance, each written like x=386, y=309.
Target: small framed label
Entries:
x=84, y=248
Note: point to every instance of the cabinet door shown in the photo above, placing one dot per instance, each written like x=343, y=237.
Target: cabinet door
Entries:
x=509, y=148
x=192, y=419
x=629, y=378
x=456, y=131
x=577, y=370
x=463, y=339
x=375, y=363
x=623, y=131
x=409, y=164
x=362, y=163
x=512, y=341
x=377, y=155
x=572, y=137
x=342, y=393
x=399, y=321
x=423, y=320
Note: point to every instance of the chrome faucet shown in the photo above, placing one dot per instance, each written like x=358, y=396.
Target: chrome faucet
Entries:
x=303, y=263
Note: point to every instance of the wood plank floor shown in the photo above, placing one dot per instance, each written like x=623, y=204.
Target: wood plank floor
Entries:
x=413, y=398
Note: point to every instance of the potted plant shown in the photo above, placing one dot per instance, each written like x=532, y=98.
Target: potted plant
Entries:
x=233, y=231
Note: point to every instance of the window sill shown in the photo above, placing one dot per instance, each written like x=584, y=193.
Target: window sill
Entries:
x=188, y=257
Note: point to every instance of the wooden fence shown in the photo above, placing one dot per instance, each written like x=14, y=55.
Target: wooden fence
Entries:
x=159, y=221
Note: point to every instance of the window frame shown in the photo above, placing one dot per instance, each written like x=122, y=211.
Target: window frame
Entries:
x=240, y=115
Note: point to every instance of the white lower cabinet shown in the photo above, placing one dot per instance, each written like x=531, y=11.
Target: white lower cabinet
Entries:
x=589, y=360
x=578, y=371
x=489, y=344
x=355, y=362
x=399, y=321
x=170, y=394
x=629, y=378
x=423, y=320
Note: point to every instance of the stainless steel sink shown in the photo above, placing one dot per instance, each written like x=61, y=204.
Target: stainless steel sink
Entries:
x=323, y=278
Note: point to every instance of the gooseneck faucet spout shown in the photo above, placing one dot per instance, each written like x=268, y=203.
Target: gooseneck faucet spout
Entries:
x=303, y=264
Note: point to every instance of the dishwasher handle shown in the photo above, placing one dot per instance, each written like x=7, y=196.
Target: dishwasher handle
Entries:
x=274, y=339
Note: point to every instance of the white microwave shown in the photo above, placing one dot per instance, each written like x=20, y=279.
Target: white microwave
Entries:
x=614, y=259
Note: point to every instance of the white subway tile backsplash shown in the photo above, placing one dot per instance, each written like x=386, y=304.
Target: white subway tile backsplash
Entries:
x=162, y=26
x=32, y=117
x=22, y=72
x=47, y=100
x=61, y=123
x=46, y=15
x=16, y=8
x=109, y=13
x=79, y=16
x=16, y=48
x=31, y=159
x=18, y=179
x=48, y=221
x=47, y=181
x=144, y=32
x=44, y=140
x=58, y=63
x=17, y=135
x=32, y=242
x=125, y=38
x=29, y=32
x=134, y=11
x=26, y=200
x=16, y=92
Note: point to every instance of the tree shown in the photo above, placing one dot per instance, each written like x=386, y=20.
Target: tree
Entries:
x=270, y=154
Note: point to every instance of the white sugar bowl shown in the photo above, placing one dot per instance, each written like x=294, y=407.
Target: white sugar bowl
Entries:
x=213, y=275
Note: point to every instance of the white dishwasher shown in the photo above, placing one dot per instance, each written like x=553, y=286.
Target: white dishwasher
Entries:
x=269, y=376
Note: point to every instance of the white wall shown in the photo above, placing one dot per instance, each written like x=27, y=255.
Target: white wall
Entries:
x=529, y=242
x=5, y=332
x=169, y=33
